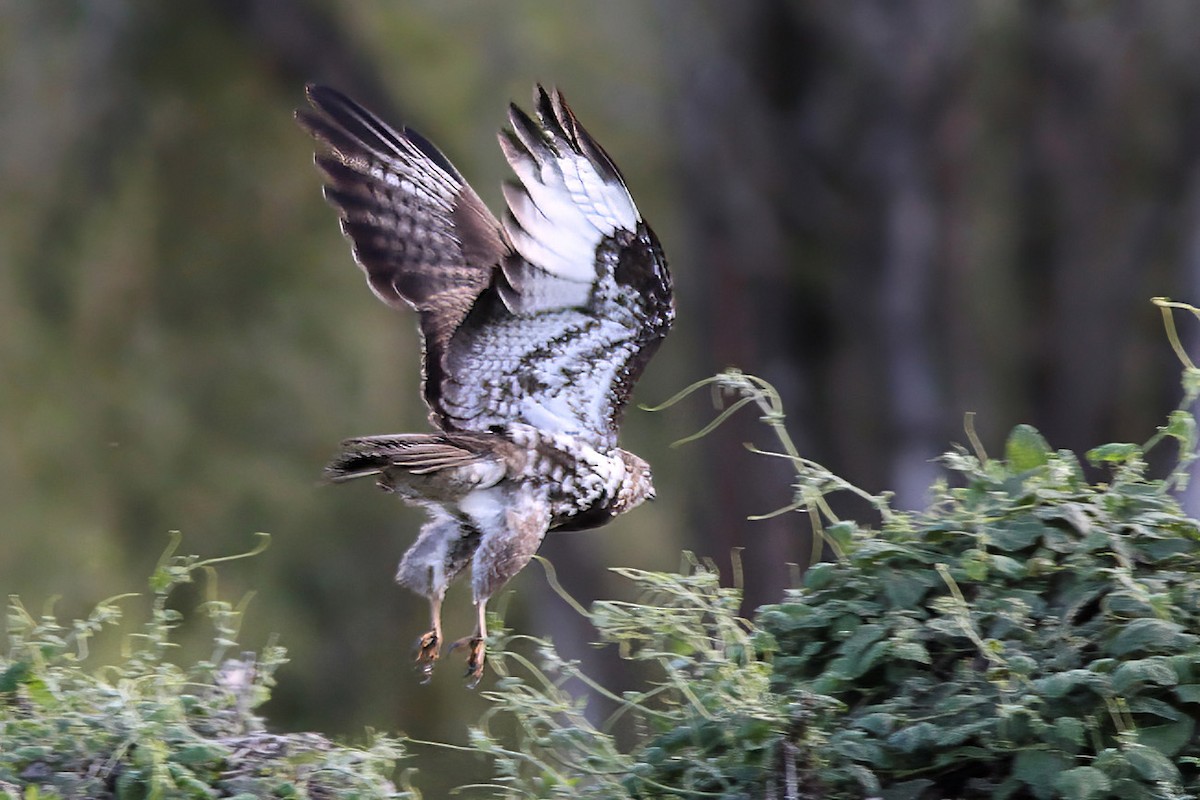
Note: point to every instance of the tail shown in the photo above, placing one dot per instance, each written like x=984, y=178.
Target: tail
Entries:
x=415, y=453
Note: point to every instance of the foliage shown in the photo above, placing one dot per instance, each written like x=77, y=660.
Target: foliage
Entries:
x=1027, y=636
x=148, y=728
x=706, y=727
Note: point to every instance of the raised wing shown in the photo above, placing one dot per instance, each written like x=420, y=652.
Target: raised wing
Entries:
x=548, y=319
x=586, y=296
x=421, y=234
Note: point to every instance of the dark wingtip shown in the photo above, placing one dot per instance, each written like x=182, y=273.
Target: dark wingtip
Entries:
x=321, y=96
x=431, y=152
x=518, y=118
x=304, y=115
x=543, y=105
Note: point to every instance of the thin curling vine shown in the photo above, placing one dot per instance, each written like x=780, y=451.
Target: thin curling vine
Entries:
x=813, y=481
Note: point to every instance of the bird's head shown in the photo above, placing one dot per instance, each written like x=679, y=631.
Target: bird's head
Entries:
x=638, y=485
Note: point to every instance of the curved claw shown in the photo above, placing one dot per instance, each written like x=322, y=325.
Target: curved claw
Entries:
x=428, y=650
x=475, y=658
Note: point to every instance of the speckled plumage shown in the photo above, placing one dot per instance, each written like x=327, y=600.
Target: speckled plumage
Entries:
x=535, y=329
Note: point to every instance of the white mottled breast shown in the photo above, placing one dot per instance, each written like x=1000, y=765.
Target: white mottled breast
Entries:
x=576, y=475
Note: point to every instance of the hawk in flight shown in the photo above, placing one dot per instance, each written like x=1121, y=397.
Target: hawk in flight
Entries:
x=535, y=329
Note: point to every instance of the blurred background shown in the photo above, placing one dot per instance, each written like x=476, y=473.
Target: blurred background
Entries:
x=898, y=212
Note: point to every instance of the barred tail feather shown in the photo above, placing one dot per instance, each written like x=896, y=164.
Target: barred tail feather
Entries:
x=414, y=453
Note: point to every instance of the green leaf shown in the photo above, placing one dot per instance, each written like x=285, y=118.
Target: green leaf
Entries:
x=1016, y=535
x=877, y=722
x=1038, y=769
x=201, y=754
x=852, y=746
x=39, y=692
x=975, y=564
x=842, y=535
x=1188, y=693
x=904, y=589
x=1154, y=671
x=1127, y=604
x=1074, y=514
x=1062, y=683
x=1150, y=763
x=860, y=652
x=1151, y=636
x=907, y=790
x=1182, y=426
x=1116, y=453
x=1026, y=449
x=1008, y=567
x=16, y=674
x=1152, y=706
x=914, y=738
x=911, y=651
x=1070, y=731
x=1163, y=549
x=951, y=735
x=1168, y=739
x=820, y=575
x=1082, y=783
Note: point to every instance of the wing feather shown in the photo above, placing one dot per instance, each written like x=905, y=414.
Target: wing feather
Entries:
x=547, y=318
x=418, y=230
x=586, y=297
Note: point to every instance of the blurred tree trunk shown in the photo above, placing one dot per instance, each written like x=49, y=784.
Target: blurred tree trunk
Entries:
x=906, y=212
x=731, y=117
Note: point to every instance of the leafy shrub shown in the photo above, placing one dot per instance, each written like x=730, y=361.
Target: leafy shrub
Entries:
x=1030, y=635
x=708, y=727
x=147, y=728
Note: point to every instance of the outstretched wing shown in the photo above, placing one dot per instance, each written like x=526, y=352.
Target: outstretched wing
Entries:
x=547, y=320
x=585, y=298
x=421, y=234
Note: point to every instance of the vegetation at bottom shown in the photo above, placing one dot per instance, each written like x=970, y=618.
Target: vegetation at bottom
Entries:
x=1033, y=633
x=146, y=727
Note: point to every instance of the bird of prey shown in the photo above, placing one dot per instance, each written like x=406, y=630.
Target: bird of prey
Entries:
x=535, y=329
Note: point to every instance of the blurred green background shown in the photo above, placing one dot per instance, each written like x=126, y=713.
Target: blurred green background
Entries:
x=896, y=211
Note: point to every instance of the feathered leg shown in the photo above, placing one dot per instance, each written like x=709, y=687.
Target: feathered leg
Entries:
x=441, y=551
x=510, y=537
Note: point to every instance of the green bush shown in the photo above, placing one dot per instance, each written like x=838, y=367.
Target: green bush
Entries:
x=1030, y=635
x=709, y=726
x=147, y=728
